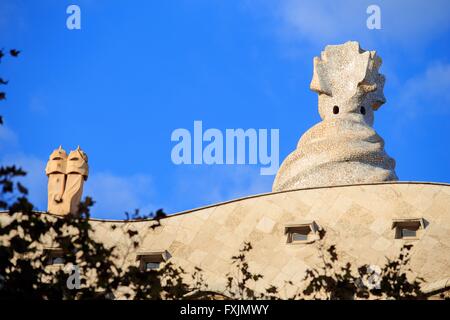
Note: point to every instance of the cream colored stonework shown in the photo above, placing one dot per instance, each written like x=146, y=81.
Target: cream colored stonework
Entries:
x=66, y=176
x=357, y=219
x=343, y=148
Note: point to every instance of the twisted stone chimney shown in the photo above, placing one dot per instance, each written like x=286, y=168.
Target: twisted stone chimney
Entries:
x=343, y=148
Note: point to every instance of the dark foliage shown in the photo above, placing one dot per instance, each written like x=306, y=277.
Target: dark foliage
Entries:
x=338, y=280
x=239, y=285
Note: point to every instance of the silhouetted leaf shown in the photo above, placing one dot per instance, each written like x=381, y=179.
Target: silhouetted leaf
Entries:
x=14, y=52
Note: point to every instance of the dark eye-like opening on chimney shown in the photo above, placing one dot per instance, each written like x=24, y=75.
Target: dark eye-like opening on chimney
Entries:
x=363, y=110
x=335, y=109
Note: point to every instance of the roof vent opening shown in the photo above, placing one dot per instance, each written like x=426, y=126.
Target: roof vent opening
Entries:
x=300, y=233
x=408, y=229
x=149, y=261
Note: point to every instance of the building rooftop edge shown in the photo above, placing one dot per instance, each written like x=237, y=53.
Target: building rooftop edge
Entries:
x=257, y=196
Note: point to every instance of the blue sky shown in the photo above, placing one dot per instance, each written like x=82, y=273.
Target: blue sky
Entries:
x=137, y=70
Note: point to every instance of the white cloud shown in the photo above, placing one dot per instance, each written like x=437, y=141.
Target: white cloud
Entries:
x=317, y=21
x=35, y=180
x=37, y=104
x=406, y=22
x=12, y=18
x=8, y=139
x=5, y=14
x=426, y=93
x=205, y=185
x=114, y=195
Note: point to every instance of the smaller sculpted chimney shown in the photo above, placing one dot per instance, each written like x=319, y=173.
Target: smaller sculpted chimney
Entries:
x=66, y=176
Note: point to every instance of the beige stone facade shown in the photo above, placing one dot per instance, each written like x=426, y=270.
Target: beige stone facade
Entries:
x=359, y=219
